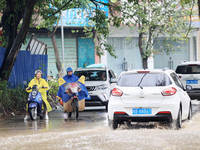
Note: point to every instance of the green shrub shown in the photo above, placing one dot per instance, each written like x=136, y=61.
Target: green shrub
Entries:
x=12, y=100
x=53, y=85
x=4, y=94
x=15, y=100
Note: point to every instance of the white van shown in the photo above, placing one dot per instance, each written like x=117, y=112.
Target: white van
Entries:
x=189, y=73
x=99, y=81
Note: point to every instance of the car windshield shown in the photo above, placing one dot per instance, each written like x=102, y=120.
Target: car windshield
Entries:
x=189, y=69
x=92, y=75
x=143, y=80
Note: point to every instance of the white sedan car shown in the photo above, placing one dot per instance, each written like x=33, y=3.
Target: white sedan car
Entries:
x=149, y=95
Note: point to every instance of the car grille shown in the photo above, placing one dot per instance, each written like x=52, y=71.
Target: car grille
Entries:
x=91, y=88
x=95, y=98
x=94, y=101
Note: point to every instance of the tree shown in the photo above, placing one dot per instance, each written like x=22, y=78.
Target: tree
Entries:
x=16, y=20
x=153, y=19
x=98, y=28
x=14, y=32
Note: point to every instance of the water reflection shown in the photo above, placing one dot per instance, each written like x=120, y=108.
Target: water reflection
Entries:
x=75, y=134
x=91, y=131
x=37, y=124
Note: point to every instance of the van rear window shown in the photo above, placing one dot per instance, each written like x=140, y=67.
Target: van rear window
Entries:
x=188, y=69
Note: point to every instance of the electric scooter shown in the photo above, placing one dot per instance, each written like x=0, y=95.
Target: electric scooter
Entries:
x=35, y=103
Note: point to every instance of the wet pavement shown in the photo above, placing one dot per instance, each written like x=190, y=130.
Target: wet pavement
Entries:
x=91, y=131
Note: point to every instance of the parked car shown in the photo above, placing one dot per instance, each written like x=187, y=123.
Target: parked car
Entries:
x=189, y=73
x=99, y=83
x=149, y=95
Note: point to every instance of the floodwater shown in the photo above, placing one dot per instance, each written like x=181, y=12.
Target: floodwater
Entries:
x=91, y=132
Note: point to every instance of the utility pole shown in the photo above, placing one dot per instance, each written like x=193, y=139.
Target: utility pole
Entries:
x=62, y=41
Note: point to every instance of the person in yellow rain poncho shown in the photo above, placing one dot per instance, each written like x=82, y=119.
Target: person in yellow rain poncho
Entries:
x=37, y=80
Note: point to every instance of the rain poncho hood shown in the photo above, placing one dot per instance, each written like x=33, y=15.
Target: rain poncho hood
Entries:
x=41, y=82
x=69, y=69
x=69, y=79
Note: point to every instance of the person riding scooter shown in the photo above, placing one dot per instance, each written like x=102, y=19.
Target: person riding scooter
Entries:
x=40, y=82
x=65, y=97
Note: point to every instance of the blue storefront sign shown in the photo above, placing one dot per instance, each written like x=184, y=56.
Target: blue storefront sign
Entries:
x=80, y=17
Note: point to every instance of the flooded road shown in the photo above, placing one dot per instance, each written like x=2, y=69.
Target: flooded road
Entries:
x=91, y=131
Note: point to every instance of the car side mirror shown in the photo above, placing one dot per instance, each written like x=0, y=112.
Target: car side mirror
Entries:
x=113, y=80
x=188, y=87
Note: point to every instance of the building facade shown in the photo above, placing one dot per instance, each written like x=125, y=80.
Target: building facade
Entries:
x=78, y=51
x=129, y=55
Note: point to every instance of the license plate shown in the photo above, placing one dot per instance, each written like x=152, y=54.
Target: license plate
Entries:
x=191, y=81
x=142, y=111
x=89, y=97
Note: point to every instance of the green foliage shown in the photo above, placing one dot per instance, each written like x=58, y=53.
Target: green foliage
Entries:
x=12, y=100
x=106, y=46
x=53, y=85
x=154, y=19
x=98, y=22
x=15, y=100
x=4, y=92
x=3, y=41
x=183, y=2
x=49, y=12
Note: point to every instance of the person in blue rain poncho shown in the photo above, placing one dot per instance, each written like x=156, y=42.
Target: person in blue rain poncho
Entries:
x=69, y=78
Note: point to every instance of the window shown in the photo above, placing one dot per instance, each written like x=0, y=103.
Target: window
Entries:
x=111, y=74
x=92, y=75
x=189, y=69
x=177, y=80
x=144, y=80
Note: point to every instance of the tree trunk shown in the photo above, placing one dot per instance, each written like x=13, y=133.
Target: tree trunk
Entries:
x=11, y=53
x=144, y=58
x=144, y=62
x=58, y=62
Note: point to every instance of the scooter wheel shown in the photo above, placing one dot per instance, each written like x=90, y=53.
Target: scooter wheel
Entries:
x=69, y=114
x=33, y=113
x=77, y=112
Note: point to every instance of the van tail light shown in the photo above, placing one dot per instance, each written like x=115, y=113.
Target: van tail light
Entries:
x=169, y=91
x=179, y=76
x=116, y=92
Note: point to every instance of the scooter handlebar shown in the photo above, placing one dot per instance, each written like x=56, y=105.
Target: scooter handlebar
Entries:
x=43, y=87
x=29, y=88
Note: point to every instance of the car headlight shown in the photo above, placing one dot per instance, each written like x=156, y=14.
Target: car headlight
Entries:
x=29, y=99
x=40, y=99
x=102, y=87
